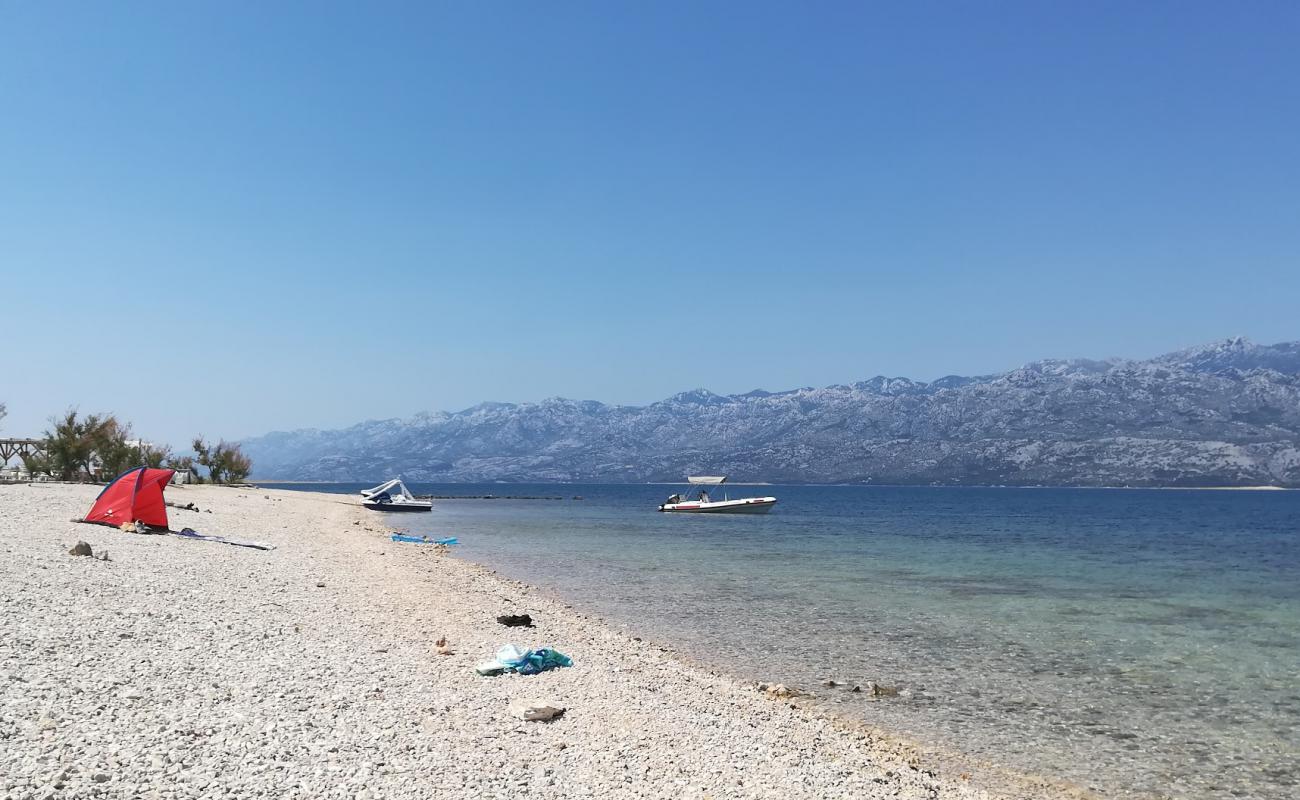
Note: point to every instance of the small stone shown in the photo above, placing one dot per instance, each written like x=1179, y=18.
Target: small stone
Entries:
x=81, y=549
x=780, y=691
x=100, y=777
x=132, y=693
x=320, y=585
x=535, y=710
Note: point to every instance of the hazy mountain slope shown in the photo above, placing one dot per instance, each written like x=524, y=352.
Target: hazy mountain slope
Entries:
x=1222, y=414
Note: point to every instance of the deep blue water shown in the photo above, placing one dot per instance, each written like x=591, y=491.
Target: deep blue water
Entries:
x=1137, y=641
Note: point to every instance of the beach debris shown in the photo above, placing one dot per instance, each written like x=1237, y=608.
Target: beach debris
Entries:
x=516, y=620
x=831, y=682
x=525, y=662
x=190, y=533
x=187, y=507
x=535, y=710
x=81, y=549
x=320, y=584
x=444, y=647
x=778, y=691
x=103, y=556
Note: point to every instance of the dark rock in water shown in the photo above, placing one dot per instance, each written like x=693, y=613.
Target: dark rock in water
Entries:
x=516, y=620
x=856, y=689
x=81, y=549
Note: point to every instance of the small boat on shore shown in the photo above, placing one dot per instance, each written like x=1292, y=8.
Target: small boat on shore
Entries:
x=402, y=537
x=702, y=503
x=393, y=496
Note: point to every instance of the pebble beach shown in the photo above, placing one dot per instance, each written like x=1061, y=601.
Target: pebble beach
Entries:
x=182, y=668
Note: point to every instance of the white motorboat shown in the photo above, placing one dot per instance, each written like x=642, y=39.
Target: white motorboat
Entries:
x=702, y=503
x=393, y=496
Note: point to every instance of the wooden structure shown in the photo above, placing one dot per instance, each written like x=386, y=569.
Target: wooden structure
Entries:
x=24, y=448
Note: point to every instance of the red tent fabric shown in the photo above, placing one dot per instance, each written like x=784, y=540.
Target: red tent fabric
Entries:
x=135, y=495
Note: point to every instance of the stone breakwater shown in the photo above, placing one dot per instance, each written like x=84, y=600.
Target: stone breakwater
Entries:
x=186, y=669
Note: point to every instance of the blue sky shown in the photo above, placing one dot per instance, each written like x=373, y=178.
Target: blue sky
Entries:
x=235, y=217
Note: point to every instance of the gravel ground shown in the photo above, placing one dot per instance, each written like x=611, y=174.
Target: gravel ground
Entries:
x=195, y=669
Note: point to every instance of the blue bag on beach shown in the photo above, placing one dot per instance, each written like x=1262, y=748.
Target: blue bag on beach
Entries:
x=541, y=660
x=526, y=662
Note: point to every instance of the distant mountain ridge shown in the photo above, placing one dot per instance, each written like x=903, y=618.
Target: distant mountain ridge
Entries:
x=1223, y=414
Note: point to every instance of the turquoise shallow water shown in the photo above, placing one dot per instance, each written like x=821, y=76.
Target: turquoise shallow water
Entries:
x=1140, y=642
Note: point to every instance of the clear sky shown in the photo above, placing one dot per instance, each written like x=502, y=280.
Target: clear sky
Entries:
x=235, y=217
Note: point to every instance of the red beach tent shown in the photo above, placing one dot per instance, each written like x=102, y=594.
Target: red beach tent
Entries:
x=134, y=496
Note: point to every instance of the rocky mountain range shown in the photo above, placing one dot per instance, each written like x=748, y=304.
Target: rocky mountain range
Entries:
x=1224, y=414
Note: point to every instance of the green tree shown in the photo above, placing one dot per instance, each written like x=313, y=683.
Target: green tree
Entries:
x=226, y=463
x=153, y=455
x=112, y=446
x=70, y=445
x=179, y=463
x=36, y=464
x=77, y=445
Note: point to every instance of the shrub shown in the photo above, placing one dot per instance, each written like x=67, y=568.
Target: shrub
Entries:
x=226, y=463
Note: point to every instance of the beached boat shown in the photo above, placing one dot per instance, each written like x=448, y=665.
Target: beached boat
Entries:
x=402, y=537
x=393, y=496
x=702, y=503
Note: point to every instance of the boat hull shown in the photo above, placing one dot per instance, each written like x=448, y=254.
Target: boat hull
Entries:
x=750, y=505
x=406, y=507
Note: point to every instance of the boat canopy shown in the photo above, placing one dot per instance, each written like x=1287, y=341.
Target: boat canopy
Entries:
x=706, y=480
x=395, y=483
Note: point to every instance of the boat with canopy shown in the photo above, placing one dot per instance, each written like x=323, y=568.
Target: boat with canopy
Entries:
x=393, y=496
x=703, y=503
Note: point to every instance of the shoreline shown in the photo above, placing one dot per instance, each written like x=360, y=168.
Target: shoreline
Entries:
x=1261, y=488
x=337, y=627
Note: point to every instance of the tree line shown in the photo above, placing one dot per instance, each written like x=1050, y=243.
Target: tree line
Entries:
x=100, y=445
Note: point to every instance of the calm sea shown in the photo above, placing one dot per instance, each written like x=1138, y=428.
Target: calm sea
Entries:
x=1141, y=642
